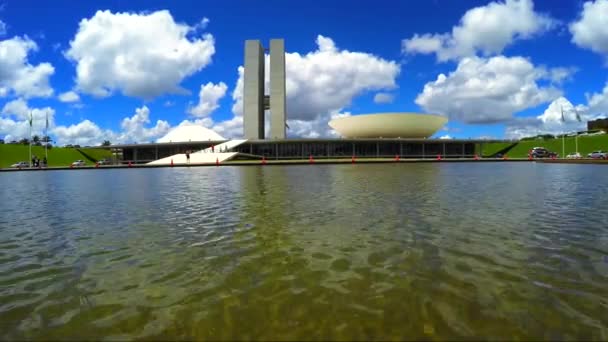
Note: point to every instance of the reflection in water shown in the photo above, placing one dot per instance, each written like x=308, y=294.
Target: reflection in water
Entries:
x=385, y=251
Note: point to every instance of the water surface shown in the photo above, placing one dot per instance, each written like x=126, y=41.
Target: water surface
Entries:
x=357, y=252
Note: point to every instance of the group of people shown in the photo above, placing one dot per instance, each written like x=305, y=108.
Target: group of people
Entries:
x=36, y=162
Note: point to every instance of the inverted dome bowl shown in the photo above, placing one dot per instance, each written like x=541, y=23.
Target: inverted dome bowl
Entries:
x=389, y=125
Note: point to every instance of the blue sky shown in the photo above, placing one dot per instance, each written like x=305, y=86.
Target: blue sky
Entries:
x=509, y=67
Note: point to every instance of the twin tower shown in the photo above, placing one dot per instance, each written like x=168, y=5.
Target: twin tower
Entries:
x=255, y=101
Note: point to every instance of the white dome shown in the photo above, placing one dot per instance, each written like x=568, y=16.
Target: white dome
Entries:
x=187, y=133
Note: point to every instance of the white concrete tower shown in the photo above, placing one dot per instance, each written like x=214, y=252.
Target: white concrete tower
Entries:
x=277, y=89
x=253, y=91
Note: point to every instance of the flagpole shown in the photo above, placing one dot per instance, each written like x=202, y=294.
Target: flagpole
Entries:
x=46, y=137
x=563, y=135
x=30, y=160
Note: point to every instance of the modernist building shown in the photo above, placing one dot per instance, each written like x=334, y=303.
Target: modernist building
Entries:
x=597, y=124
x=372, y=135
x=255, y=101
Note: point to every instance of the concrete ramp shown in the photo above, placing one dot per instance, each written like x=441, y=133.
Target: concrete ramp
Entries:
x=204, y=156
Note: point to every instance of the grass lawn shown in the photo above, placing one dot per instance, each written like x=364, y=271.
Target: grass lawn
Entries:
x=490, y=149
x=586, y=144
x=58, y=156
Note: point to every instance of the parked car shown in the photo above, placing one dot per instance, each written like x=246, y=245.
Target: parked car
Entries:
x=79, y=163
x=574, y=156
x=541, y=152
x=21, y=164
x=598, y=155
x=104, y=162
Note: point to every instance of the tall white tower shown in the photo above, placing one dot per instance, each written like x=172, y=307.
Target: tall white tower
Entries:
x=254, y=99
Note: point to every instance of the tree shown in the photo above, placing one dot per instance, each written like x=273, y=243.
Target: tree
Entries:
x=24, y=141
x=106, y=143
x=46, y=139
x=35, y=139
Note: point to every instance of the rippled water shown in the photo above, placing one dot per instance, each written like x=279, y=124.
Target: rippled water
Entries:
x=358, y=252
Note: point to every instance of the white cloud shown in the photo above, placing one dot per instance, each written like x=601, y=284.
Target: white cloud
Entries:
x=590, y=30
x=445, y=137
x=202, y=24
x=14, y=122
x=317, y=127
x=142, y=55
x=329, y=79
x=597, y=103
x=550, y=121
x=320, y=83
x=85, y=133
x=17, y=75
x=69, y=96
x=133, y=129
x=209, y=97
x=237, y=93
x=487, y=29
x=232, y=128
x=384, y=98
x=2, y=28
x=487, y=90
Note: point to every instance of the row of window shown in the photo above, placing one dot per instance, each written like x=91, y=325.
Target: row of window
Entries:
x=363, y=149
x=318, y=149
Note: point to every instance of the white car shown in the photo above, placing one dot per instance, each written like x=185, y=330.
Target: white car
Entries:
x=21, y=164
x=79, y=163
x=574, y=156
x=598, y=155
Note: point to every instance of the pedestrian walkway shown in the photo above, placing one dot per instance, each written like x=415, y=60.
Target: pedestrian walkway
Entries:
x=205, y=156
x=225, y=146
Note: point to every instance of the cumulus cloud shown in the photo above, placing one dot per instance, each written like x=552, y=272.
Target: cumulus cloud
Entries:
x=209, y=97
x=2, y=28
x=317, y=127
x=445, y=137
x=232, y=128
x=69, y=96
x=383, y=98
x=84, y=133
x=141, y=55
x=551, y=122
x=598, y=102
x=319, y=83
x=589, y=30
x=328, y=79
x=486, y=29
x=490, y=90
x=202, y=24
x=17, y=75
x=134, y=130
x=14, y=121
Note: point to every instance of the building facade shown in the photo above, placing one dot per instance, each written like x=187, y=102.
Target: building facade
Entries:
x=599, y=124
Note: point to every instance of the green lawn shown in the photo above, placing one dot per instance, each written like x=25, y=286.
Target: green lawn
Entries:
x=58, y=156
x=490, y=149
x=586, y=144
